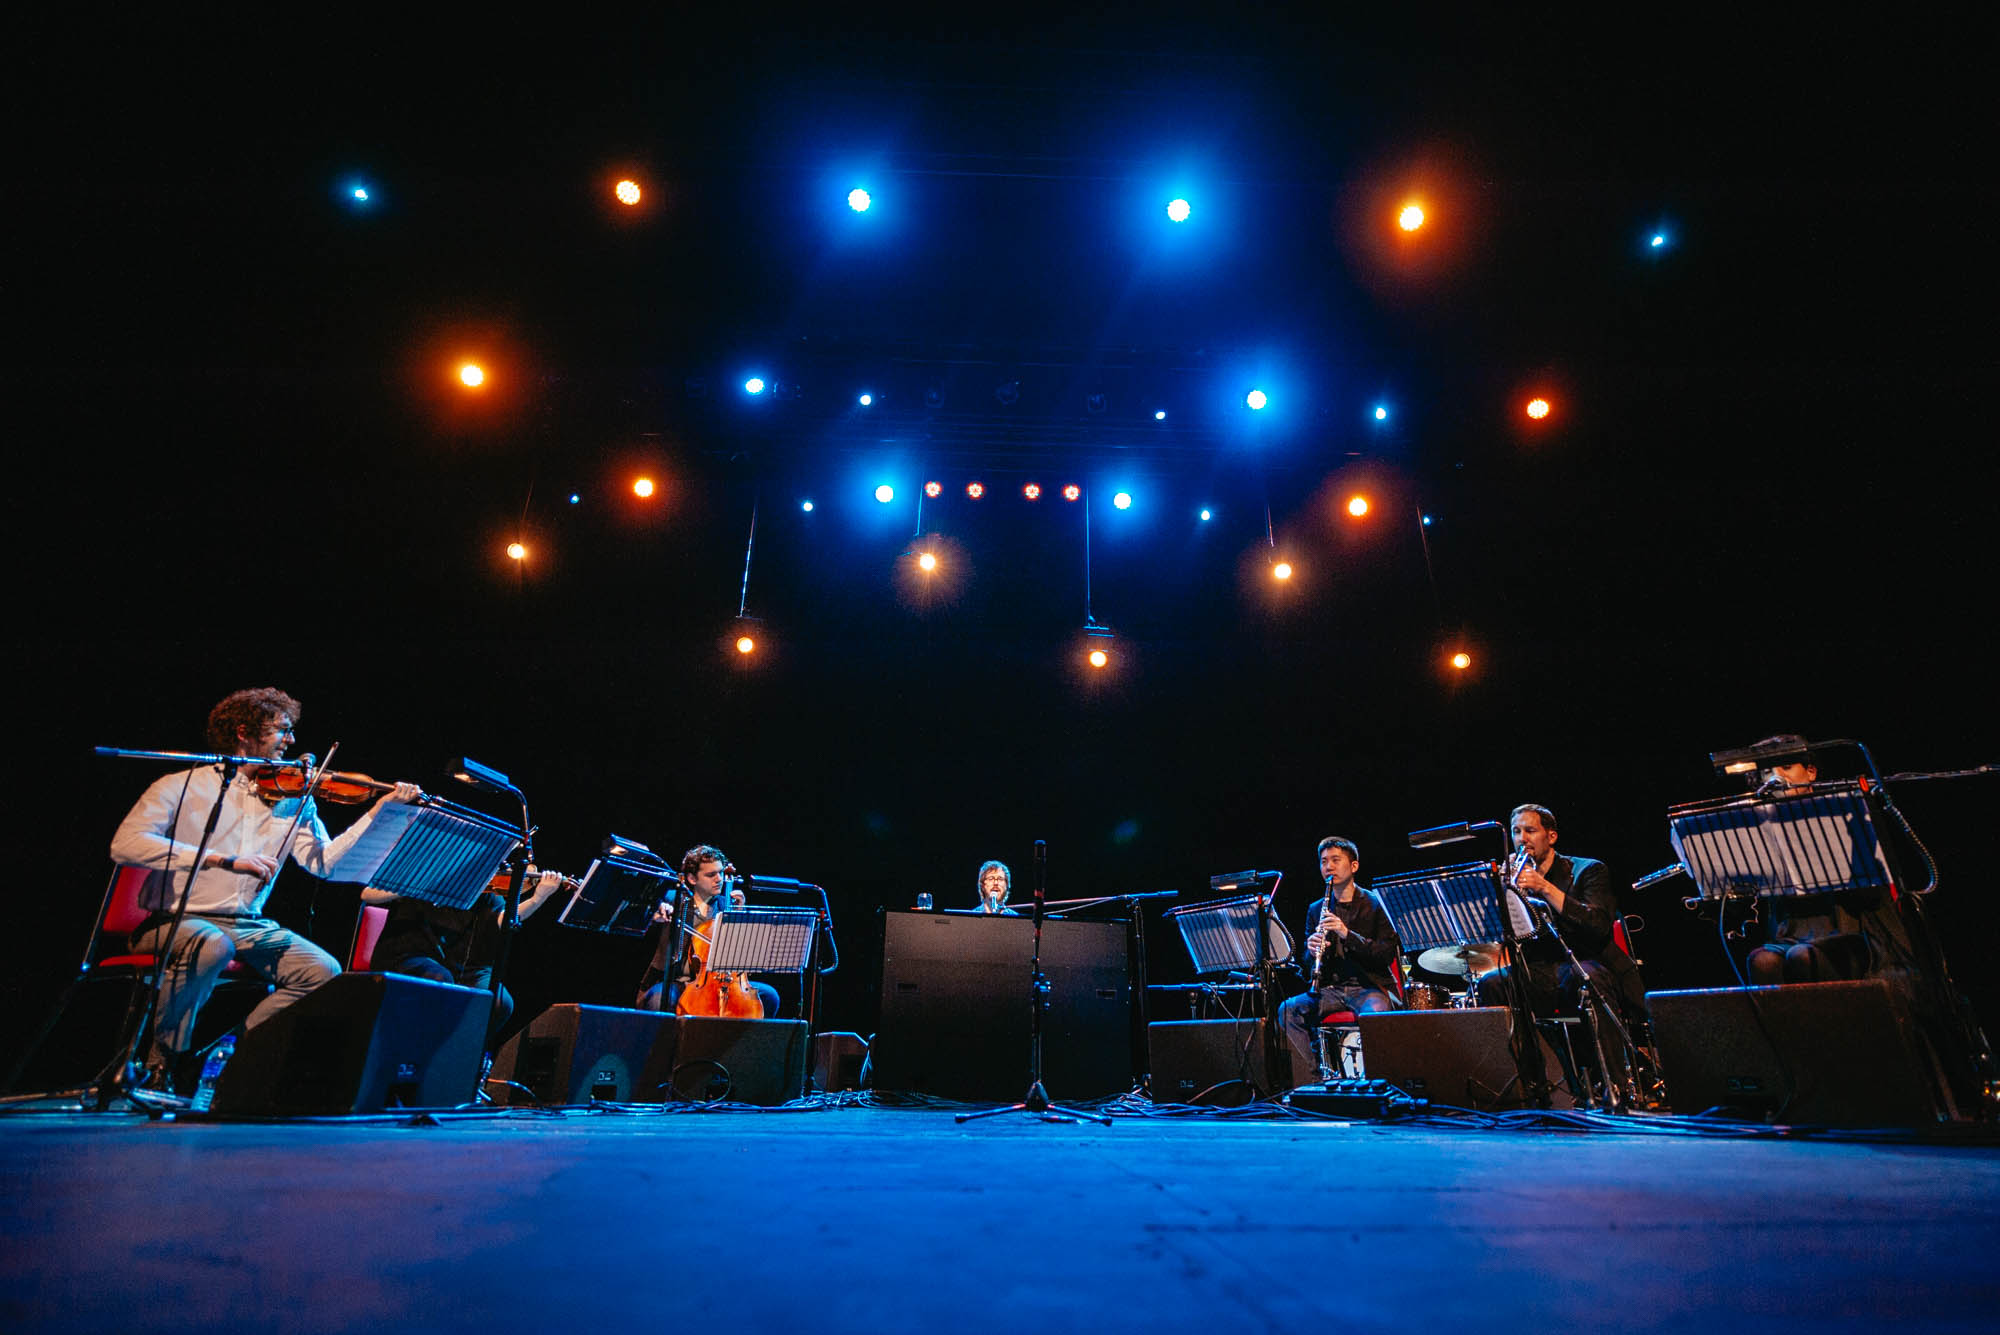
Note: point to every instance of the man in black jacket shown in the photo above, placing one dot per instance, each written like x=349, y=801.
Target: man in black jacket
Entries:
x=1356, y=946
x=1574, y=897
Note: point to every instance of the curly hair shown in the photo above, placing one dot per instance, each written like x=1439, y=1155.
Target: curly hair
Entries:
x=1548, y=818
x=692, y=859
x=249, y=712
x=979, y=882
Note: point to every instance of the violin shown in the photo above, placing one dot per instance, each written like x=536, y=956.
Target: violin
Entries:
x=275, y=783
x=712, y=992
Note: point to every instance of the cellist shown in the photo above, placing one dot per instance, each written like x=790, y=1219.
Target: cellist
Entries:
x=703, y=872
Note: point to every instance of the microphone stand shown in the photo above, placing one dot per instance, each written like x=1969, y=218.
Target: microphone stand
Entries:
x=1527, y=1050
x=1036, y=1100
x=1604, y=1005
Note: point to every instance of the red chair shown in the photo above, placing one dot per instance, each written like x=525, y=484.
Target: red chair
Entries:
x=1334, y=1021
x=117, y=918
x=367, y=931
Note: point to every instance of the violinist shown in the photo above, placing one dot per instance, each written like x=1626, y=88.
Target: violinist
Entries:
x=703, y=869
x=459, y=946
x=226, y=895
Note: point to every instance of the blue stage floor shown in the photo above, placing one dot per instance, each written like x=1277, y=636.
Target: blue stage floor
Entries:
x=887, y=1220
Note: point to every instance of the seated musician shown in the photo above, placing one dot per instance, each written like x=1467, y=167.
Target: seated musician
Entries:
x=703, y=869
x=1355, y=945
x=1841, y=936
x=1574, y=896
x=225, y=902
x=449, y=945
x=995, y=884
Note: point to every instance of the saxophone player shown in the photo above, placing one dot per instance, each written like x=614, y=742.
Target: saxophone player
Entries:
x=1353, y=946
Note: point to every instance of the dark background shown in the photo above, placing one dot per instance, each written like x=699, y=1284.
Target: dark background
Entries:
x=1762, y=504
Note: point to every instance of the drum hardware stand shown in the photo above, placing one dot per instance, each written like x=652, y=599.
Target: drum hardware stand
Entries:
x=1036, y=1100
x=1615, y=1100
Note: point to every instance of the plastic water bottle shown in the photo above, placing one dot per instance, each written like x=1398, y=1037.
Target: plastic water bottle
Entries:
x=211, y=1071
x=923, y=903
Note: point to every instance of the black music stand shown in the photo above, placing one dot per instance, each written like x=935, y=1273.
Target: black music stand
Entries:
x=621, y=891
x=1232, y=935
x=1036, y=1100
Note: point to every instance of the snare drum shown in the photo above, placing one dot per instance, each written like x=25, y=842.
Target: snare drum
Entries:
x=1426, y=997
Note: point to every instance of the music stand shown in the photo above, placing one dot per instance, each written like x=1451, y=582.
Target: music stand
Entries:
x=1448, y=906
x=1773, y=847
x=1221, y=936
x=432, y=850
x=762, y=940
x=617, y=895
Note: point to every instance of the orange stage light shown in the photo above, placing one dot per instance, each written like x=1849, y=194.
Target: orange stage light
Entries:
x=1538, y=408
x=1282, y=570
x=471, y=375
x=642, y=487
x=1461, y=661
x=1411, y=218
x=517, y=551
x=928, y=561
x=975, y=489
x=1098, y=658
x=933, y=489
x=1033, y=491
x=627, y=192
x=1072, y=492
x=744, y=644
x=1357, y=506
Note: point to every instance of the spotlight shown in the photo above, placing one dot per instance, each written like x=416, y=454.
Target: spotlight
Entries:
x=575, y=499
x=642, y=487
x=1159, y=414
x=1207, y=515
x=1427, y=521
x=807, y=506
x=885, y=493
x=627, y=192
x=866, y=400
x=1538, y=408
x=1033, y=491
x=1381, y=413
x=927, y=562
x=754, y=385
x=933, y=489
x=1255, y=398
x=1357, y=506
x=1101, y=637
x=1123, y=500
x=1659, y=240
x=472, y=375
x=858, y=200
x=1411, y=218
x=359, y=194
x=975, y=489
x=1282, y=570
x=517, y=552
x=1098, y=658
x=1461, y=660
x=1178, y=210
x=1072, y=492
x=745, y=645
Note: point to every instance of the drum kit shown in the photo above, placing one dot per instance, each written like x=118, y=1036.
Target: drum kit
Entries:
x=1469, y=962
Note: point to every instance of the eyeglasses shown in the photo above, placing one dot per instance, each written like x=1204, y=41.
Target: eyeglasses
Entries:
x=281, y=729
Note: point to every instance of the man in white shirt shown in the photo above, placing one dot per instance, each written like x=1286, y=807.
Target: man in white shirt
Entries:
x=226, y=896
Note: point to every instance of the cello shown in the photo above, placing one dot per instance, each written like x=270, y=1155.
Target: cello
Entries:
x=706, y=991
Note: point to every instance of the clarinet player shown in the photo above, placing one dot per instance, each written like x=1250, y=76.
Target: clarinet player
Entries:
x=1353, y=947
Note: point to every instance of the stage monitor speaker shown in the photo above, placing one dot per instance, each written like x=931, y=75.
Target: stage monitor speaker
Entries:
x=1459, y=1058
x=1219, y=1063
x=572, y=1054
x=743, y=1061
x=1832, y=1054
x=955, y=1007
x=360, y=1043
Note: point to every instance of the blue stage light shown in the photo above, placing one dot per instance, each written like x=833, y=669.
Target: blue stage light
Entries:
x=754, y=385
x=1178, y=210
x=1207, y=515
x=858, y=200
x=575, y=499
x=807, y=506
x=1381, y=413
x=885, y=493
x=1427, y=521
x=360, y=194
x=1256, y=399
x=1160, y=415
x=1659, y=239
x=866, y=399
x=1123, y=500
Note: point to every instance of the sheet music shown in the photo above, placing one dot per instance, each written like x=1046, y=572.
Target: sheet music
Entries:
x=1791, y=846
x=364, y=857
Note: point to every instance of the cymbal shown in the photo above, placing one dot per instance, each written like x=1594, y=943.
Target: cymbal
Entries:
x=1477, y=959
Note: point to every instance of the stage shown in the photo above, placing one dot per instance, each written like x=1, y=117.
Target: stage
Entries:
x=890, y=1219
